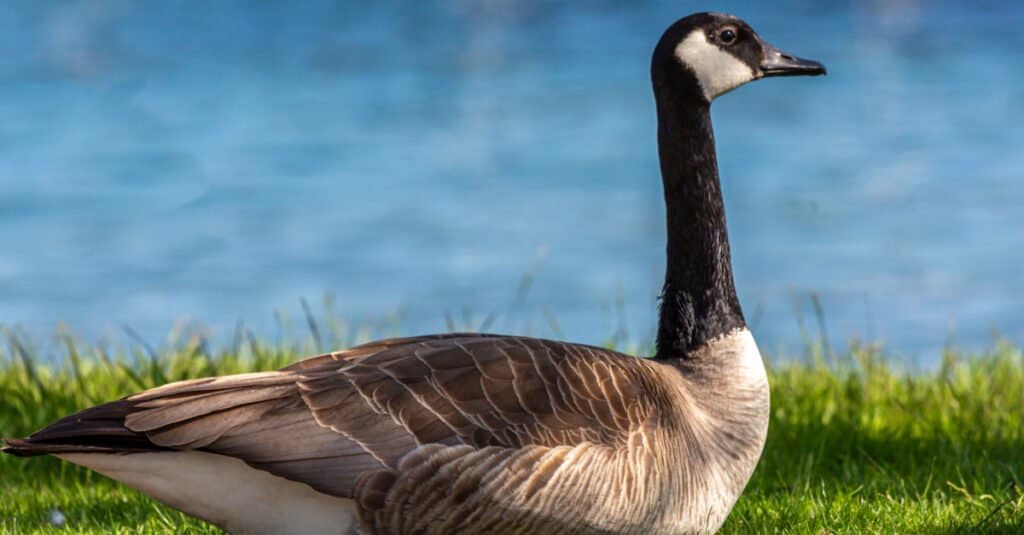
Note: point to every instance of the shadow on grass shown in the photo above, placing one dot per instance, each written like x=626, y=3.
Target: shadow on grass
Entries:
x=1014, y=526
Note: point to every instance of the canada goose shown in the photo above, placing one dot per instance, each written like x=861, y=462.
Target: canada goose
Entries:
x=481, y=433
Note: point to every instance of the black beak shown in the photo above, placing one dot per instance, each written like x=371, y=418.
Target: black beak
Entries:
x=779, y=63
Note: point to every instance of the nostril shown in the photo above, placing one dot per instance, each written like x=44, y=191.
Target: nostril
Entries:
x=787, y=56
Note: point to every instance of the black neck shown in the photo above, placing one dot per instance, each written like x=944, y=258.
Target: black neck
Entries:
x=698, y=301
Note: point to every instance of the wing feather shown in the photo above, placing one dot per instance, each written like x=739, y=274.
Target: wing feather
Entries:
x=349, y=423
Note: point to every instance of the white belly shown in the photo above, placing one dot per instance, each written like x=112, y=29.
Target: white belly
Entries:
x=226, y=491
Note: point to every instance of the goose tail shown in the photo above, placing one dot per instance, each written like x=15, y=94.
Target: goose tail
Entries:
x=100, y=429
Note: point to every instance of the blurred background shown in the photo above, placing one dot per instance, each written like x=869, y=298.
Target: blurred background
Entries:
x=493, y=163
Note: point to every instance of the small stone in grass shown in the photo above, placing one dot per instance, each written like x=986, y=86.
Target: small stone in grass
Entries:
x=56, y=518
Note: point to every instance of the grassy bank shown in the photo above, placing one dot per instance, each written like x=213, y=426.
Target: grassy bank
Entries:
x=855, y=445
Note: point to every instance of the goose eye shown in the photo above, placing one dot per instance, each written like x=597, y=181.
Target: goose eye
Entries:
x=727, y=36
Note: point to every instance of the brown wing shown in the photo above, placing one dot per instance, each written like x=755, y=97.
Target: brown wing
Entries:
x=480, y=391
x=330, y=419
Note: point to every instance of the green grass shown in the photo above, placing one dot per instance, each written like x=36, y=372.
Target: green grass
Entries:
x=856, y=445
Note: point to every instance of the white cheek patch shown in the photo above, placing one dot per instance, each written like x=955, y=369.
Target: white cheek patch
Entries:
x=717, y=70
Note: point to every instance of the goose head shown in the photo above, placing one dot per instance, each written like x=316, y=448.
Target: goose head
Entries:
x=706, y=55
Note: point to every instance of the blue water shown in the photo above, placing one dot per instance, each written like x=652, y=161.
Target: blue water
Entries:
x=167, y=161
